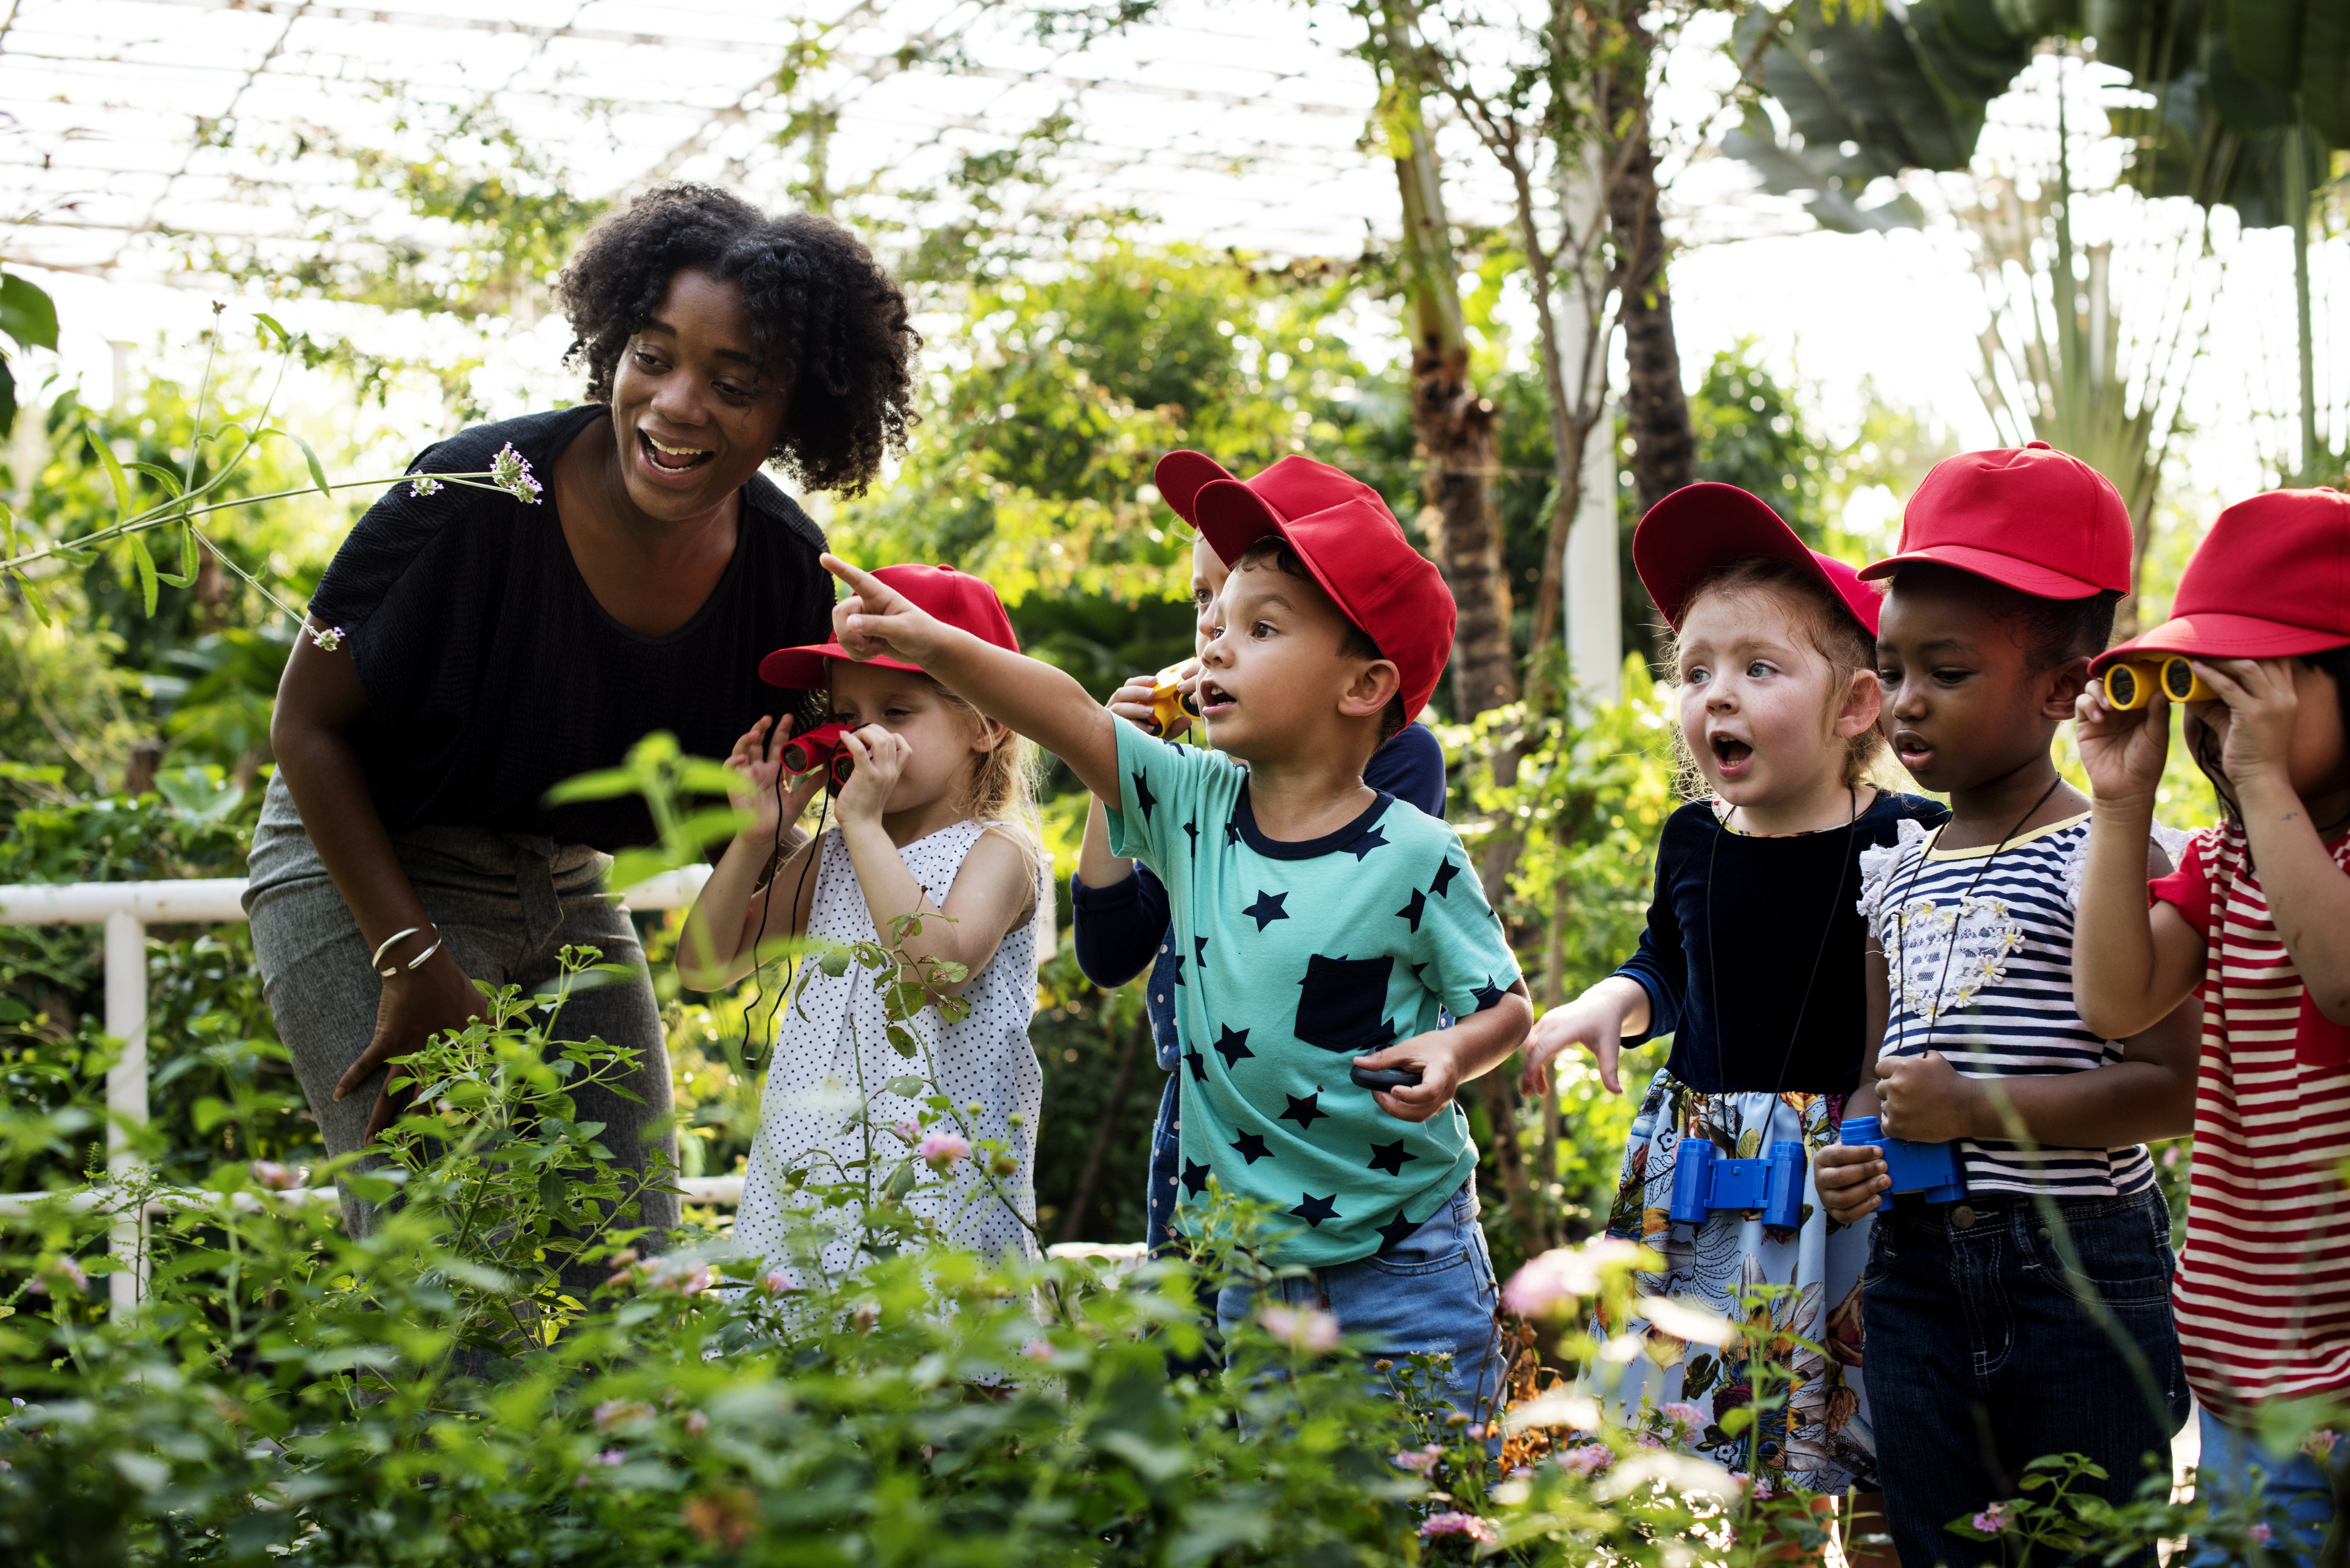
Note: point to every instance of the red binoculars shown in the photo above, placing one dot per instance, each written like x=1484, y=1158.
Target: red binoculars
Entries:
x=821, y=748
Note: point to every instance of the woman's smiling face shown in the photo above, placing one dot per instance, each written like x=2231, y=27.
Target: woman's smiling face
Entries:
x=694, y=412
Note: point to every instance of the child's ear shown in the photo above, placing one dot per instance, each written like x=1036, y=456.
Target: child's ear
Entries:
x=1862, y=699
x=990, y=735
x=2065, y=682
x=1371, y=689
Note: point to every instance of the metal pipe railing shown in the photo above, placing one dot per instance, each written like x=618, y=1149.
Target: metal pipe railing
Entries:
x=126, y=909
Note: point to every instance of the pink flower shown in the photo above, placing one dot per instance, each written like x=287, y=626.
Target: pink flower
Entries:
x=775, y=1282
x=1467, y=1524
x=908, y=1132
x=944, y=1150
x=65, y=1269
x=510, y=472
x=1762, y=1485
x=2320, y=1444
x=696, y=1422
x=1685, y=1420
x=1421, y=1463
x=1558, y=1279
x=1992, y=1520
x=2262, y=1534
x=1649, y=1440
x=613, y=1413
x=1309, y=1329
x=1038, y=1350
x=613, y=1457
x=276, y=1177
x=1587, y=1458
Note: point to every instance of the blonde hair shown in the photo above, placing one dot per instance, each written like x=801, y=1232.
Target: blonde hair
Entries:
x=1827, y=624
x=1002, y=787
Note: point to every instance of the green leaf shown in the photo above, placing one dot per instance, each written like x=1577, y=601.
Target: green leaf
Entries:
x=145, y=562
x=834, y=963
x=317, y=469
x=161, y=475
x=904, y=1040
x=7, y=514
x=114, y=474
x=602, y=785
x=1734, y=1422
x=210, y=1112
x=40, y=606
x=272, y=328
x=27, y=312
x=907, y=1086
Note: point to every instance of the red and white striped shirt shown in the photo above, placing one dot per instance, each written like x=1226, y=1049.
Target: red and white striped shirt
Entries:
x=2262, y=1293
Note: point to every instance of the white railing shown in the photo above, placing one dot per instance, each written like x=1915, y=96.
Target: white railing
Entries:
x=126, y=909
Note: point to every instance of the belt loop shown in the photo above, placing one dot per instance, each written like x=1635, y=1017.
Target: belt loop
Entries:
x=534, y=869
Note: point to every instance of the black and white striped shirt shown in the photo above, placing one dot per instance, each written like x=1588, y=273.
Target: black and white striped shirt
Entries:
x=1979, y=951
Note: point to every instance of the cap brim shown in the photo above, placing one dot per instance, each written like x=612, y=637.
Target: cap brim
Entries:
x=2021, y=576
x=1181, y=475
x=802, y=668
x=1701, y=527
x=1230, y=517
x=2215, y=634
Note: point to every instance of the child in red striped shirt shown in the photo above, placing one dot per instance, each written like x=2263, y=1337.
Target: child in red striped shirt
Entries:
x=2258, y=917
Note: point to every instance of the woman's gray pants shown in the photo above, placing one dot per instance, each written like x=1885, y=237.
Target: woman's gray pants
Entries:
x=506, y=904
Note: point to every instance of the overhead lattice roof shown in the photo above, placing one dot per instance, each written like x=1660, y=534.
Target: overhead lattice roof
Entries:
x=131, y=124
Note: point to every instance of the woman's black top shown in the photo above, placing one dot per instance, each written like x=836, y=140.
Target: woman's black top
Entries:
x=492, y=673
x=1736, y=1007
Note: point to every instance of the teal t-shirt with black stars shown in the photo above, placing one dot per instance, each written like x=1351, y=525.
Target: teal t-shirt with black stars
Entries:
x=1297, y=957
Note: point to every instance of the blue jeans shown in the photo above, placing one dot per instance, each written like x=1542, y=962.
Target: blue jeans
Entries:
x=1432, y=1292
x=2297, y=1497
x=1981, y=1358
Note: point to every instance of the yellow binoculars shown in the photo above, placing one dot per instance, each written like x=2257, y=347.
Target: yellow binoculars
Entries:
x=1172, y=709
x=2132, y=683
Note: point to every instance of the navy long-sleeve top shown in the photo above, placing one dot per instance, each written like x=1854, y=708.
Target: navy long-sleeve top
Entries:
x=1123, y=926
x=1744, y=1008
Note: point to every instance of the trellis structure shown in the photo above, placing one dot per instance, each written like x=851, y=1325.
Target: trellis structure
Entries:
x=138, y=134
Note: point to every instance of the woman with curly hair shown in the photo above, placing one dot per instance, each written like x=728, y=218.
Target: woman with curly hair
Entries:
x=469, y=648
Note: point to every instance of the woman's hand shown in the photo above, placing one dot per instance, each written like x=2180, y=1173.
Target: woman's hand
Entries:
x=757, y=759
x=2122, y=751
x=416, y=1006
x=880, y=755
x=1925, y=1099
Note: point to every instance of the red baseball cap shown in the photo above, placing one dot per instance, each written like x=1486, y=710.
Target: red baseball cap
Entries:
x=955, y=597
x=1699, y=528
x=2036, y=519
x=2271, y=579
x=1356, y=551
x=1294, y=487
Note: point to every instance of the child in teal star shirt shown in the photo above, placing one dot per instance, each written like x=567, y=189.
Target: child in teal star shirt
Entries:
x=1326, y=925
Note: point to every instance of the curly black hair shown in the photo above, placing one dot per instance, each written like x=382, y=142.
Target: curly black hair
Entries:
x=822, y=309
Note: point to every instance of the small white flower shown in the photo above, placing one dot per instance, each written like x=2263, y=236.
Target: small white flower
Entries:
x=424, y=484
x=327, y=638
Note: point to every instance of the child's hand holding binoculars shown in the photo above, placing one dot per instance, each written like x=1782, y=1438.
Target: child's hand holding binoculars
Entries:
x=757, y=761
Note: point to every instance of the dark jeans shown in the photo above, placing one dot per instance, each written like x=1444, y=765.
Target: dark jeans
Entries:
x=1982, y=1358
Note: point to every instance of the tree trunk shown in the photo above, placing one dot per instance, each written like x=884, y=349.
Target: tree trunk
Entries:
x=1454, y=428
x=1656, y=412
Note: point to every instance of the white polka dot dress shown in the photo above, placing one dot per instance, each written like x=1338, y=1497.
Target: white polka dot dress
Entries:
x=833, y=1057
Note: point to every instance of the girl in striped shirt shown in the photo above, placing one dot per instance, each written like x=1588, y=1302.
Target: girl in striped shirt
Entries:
x=2257, y=918
x=2031, y=1315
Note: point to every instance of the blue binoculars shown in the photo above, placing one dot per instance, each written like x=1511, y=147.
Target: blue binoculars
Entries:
x=1704, y=1181
x=1930, y=1170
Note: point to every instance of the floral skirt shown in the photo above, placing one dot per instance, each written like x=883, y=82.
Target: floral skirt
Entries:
x=1795, y=1292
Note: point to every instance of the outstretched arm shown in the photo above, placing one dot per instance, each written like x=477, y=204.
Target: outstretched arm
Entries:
x=1026, y=695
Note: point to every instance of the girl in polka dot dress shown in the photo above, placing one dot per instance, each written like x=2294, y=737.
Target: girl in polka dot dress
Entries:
x=936, y=819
